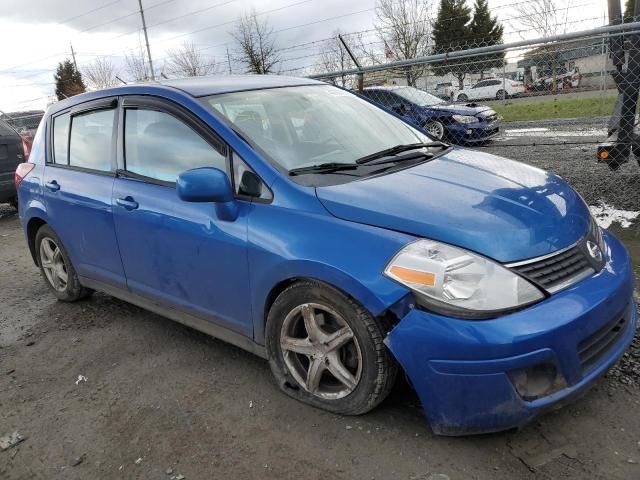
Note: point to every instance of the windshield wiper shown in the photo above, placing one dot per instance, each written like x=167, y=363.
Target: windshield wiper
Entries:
x=323, y=168
x=388, y=152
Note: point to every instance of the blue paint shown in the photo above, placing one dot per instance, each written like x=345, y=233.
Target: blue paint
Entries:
x=222, y=261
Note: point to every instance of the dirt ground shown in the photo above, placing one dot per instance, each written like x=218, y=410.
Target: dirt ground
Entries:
x=163, y=401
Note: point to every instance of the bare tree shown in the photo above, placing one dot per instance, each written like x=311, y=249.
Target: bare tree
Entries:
x=188, y=61
x=137, y=65
x=335, y=58
x=404, y=26
x=100, y=73
x=257, y=49
x=540, y=16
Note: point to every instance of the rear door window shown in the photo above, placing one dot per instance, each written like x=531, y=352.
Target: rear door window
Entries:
x=160, y=146
x=61, y=139
x=91, y=142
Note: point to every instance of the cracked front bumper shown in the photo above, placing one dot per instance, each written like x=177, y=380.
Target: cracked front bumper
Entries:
x=460, y=368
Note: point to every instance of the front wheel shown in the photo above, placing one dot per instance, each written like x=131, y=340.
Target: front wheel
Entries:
x=56, y=267
x=462, y=97
x=326, y=350
x=435, y=129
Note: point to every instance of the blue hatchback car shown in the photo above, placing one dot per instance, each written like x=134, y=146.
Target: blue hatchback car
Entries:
x=308, y=226
x=454, y=122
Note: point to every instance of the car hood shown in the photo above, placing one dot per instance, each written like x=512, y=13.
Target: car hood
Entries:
x=502, y=209
x=458, y=109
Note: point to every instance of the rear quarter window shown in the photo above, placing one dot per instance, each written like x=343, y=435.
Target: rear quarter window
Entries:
x=61, y=139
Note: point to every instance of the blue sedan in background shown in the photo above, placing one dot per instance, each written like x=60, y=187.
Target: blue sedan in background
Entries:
x=458, y=123
x=303, y=223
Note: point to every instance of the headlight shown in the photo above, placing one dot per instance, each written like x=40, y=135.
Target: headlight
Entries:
x=453, y=281
x=465, y=118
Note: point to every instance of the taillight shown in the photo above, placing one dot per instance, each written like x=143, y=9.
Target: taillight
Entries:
x=22, y=171
x=514, y=85
x=26, y=148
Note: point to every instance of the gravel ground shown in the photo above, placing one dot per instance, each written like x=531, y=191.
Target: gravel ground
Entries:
x=158, y=400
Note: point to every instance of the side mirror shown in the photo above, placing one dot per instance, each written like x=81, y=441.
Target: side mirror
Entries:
x=400, y=108
x=206, y=184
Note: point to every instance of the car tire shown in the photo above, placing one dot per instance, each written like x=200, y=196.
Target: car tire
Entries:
x=462, y=98
x=350, y=379
x=435, y=129
x=14, y=202
x=56, y=267
x=501, y=95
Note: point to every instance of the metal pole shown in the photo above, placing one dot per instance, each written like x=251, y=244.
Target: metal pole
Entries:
x=229, y=61
x=359, y=75
x=146, y=39
x=611, y=29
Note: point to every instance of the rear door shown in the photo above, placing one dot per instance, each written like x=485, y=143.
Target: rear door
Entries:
x=174, y=252
x=11, y=155
x=78, y=182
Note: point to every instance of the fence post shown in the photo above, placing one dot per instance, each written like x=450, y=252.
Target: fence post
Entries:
x=360, y=74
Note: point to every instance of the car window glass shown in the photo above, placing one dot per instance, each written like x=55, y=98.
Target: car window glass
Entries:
x=496, y=82
x=91, y=144
x=61, y=139
x=159, y=146
x=479, y=84
x=247, y=184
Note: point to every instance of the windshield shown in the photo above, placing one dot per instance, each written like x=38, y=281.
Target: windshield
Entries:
x=418, y=97
x=312, y=125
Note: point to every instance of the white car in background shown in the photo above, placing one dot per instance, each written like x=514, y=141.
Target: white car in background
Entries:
x=498, y=88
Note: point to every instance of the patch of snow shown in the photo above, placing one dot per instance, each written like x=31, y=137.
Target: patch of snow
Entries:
x=606, y=214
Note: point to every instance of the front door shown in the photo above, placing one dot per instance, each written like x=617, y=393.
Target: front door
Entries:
x=175, y=252
x=78, y=180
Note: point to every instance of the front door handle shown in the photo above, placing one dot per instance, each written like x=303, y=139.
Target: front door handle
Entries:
x=127, y=202
x=52, y=185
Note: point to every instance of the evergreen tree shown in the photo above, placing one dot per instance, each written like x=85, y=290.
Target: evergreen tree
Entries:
x=629, y=6
x=68, y=80
x=451, y=32
x=485, y=31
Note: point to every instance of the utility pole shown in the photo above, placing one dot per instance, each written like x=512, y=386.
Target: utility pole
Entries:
x=73, y=55
x=146, y=39
x=229, y=61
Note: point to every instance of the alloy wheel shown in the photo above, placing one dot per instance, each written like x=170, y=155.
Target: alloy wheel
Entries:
x=321, y=351
x=53, y=264
x=435, y=129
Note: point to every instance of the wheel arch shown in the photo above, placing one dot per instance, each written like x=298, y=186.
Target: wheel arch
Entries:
x=31, y=230
x=375, y=303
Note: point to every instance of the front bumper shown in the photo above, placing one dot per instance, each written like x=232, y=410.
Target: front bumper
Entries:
x=472, y=133
x=460, y=368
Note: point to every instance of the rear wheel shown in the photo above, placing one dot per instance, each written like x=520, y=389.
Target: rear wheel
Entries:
x=326, y=350
x=14, y=202
x=56, y=267
x=501, y=94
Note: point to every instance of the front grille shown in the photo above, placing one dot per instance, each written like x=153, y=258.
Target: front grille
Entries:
x=594, y=347
x=557, y=271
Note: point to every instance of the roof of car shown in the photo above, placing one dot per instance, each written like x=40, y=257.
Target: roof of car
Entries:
x=202, y=86
x=194, y=86
x=387, y=87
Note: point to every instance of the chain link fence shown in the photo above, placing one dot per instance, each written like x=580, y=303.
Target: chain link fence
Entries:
x=545, y=102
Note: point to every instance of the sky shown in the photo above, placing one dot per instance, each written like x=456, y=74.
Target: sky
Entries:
x=37, y=34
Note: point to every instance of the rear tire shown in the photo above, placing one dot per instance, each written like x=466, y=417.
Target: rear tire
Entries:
x=501, y=95
x=14, y=202
x=350, y=379
x=56, y=267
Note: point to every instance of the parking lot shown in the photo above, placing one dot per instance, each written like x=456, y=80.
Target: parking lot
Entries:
x=103, y=389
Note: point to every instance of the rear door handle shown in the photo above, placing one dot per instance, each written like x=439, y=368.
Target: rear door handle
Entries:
x=127, y=202
x=52, y=185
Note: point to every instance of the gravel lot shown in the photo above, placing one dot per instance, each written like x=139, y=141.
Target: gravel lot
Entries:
x=160, y=397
